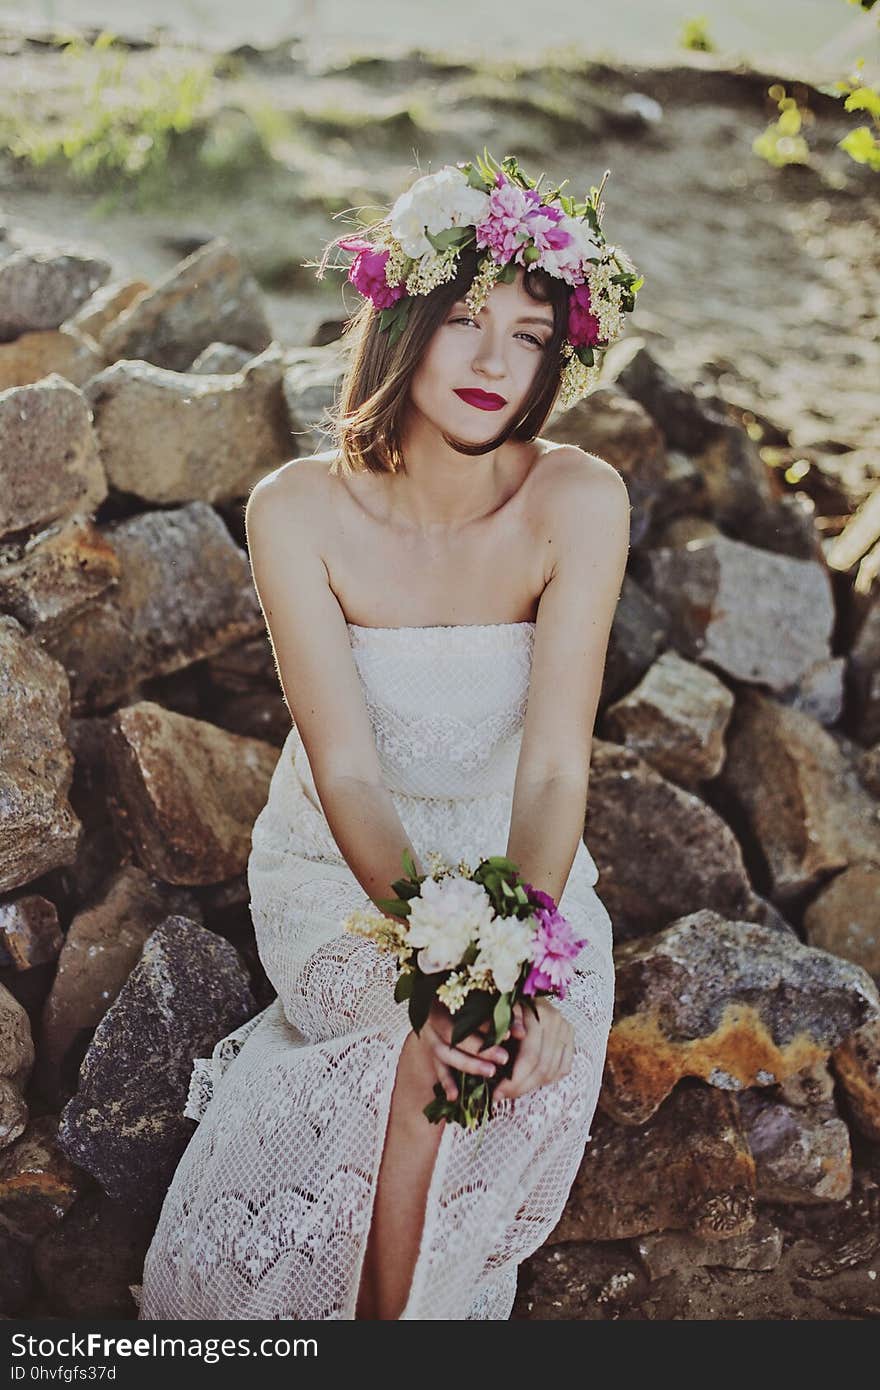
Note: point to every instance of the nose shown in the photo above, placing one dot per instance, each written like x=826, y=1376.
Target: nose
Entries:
x=488, y=359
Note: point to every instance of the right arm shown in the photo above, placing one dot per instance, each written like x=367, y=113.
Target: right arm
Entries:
x=342, y=981
x=310, y=643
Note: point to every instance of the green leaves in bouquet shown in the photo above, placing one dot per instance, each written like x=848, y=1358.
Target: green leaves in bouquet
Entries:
x=404, y=987
x=476, y=1009
x=424, y=987
x=450, y=236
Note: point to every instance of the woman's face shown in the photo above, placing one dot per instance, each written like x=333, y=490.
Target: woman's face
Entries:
x=492, y=359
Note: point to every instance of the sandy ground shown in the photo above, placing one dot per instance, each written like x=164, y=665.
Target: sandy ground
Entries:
x=762, y=282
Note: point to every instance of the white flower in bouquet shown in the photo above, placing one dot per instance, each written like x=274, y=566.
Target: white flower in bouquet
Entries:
x=436, y=201
x=504, y=944
x=449, y=914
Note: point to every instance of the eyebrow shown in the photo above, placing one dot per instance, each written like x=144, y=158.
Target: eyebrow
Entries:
x=523, y=318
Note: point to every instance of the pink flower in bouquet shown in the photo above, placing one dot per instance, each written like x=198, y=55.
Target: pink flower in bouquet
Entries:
x=583, y=326
x=367, y=273
x=555, y=947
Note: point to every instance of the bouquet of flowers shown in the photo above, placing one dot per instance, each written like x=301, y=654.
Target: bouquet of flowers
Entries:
x=480, y=941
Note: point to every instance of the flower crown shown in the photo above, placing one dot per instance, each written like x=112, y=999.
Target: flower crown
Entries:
x=497, y=209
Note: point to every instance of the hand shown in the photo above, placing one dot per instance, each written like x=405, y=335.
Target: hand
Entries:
x=439, y=1057
x=545, y=1052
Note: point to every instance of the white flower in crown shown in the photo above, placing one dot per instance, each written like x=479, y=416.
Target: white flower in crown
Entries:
x=445, y=919
x=436, y=201
x=505, y=944
x=584, y=237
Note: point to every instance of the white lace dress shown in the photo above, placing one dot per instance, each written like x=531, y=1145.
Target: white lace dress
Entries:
x=269, y=1210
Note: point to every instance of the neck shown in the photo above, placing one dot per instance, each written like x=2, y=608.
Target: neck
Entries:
x=442, y=490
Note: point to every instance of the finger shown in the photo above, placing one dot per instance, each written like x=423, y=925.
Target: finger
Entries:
x=446, y=1079
x=473, y=1044
x=529, y=1047
x=533, y=1059
x=464, y=1061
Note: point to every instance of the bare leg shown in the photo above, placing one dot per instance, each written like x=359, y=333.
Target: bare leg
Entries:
x=405, y=1173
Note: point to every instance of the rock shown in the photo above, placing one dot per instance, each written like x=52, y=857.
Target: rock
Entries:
x=864, y=668
x=38, y=1184
x=811, y=1086
x=218, y=358
x=798, y=793
x=856, y=1064
x=40, y=288
x=207, y=297
x=125, y=1125
x=105, y=305
x=752, y=615
x=734, y=1003
x=688, y=1167
x=49, y=426
x=29, y=932
x=16, y=1064
x=638, y=825
x=619, y=430
x=584, y=1281
x=102, y=947
x=59, y=573
x=638, y=631
x=665, y=1252
x=63, y=351
x=867, y=766
x=168, y=436
x=140, y=628
x=237, y=670
x=819, y=692
x=675, y=719
x=736, y=479
x=86, y=1263
x=844, y=918
x=38, y=829
x=687, y=422
x=185, y=794
x=16, y=1274
x=312, y=379
x=801, y=1154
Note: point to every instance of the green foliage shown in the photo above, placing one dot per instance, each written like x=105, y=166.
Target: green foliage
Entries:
x=863, y=143
x=782, y=142
x=695, y=35
x=124, y=128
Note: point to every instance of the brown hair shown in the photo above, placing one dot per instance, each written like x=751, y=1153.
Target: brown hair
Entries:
x=367, y=419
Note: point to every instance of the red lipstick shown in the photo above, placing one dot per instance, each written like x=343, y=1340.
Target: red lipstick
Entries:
x=483, y=400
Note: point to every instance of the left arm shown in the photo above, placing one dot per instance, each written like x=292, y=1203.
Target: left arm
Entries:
x=586, y=534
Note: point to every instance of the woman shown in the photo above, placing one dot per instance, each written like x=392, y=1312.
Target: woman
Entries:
x=439, y=593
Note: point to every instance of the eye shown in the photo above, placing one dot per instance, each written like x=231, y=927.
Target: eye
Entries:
x=466, y=318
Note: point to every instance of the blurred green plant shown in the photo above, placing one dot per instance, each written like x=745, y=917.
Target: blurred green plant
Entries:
x=695, y=35
x=124, y=130
x=783, y=141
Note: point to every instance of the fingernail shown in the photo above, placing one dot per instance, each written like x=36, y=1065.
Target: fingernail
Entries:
x=490, y=1071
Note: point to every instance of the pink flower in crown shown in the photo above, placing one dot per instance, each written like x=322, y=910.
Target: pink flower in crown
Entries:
x=583, y=326
x=554, y=949
x=367, y=273
x=505, y=228
x=516, y=219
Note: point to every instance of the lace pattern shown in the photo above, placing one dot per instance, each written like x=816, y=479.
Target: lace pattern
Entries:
x=269, y=1211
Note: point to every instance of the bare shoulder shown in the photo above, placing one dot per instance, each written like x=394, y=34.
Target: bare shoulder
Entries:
x=292, y=495
x=581, y=497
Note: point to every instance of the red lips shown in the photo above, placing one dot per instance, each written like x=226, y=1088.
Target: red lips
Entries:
x=483, y=400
